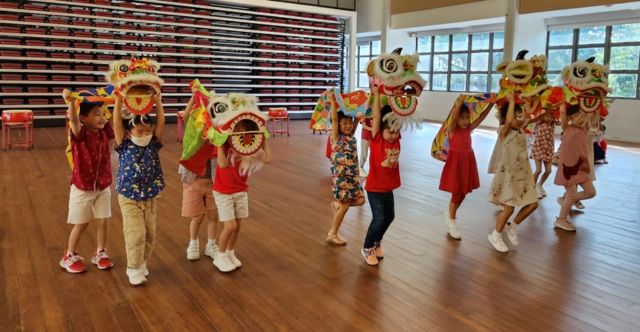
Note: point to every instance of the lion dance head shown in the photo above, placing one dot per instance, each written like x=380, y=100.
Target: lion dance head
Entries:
x=135, y=81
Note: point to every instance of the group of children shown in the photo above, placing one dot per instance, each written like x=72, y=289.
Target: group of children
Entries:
x=514, y=185
x=139, y=181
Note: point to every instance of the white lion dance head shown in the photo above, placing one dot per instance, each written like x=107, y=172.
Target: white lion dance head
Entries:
x=136, y=81
x=237, y=118
x=399, y=84
x=588, y=83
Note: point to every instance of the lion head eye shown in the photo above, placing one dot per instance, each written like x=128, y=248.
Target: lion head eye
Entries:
x=580, y=72
x=389, y=66
x=123, y=68
x=220, y=108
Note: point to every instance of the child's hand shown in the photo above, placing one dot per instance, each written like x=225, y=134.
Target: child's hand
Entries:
x=511, y=98
x=67, y=96
x=156, y=98
x=374, y=90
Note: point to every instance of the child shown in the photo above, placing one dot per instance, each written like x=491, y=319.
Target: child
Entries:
x=345, y=184
x=542, y=150
x=197, y=201
x=600, y=146
x=460, y=172
x=90, y=194
x=365, y=138
x=574, y=167
x=384, y=177
x=513, y=183
x=138, y=183
x=230, y=194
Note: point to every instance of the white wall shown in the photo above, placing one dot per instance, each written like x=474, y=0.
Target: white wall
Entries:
x=369, y=16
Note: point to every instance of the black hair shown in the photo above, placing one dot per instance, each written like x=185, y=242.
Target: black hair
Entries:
x=138, y=120
x=573, y=109
x=386, y=109
x=86, y=108
x=464, y=109
x=505, y=109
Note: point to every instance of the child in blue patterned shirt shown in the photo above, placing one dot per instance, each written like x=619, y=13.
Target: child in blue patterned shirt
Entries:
x=138, y=183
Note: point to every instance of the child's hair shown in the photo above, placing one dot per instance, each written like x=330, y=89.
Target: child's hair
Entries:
x=505, y=109
x=85, y=107
x=138, y=120
x=384, y=111
x=464, y=109
x=573, y=109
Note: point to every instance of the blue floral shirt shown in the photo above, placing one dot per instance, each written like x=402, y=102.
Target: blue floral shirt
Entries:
x=139, y=172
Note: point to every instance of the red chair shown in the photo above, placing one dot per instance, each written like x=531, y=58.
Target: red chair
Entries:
x=17, y=120
x=179, y=126
x=281, y=115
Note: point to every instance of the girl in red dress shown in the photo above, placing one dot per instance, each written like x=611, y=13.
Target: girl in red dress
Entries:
x=460, y=173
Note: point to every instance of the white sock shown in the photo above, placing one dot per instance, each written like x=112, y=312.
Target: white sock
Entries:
x=513, y=226
x=195, y=243
x=211, y=242
x=496, y=233
x=230, y=251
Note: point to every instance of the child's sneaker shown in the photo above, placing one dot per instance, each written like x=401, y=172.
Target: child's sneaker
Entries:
x=136, y=276
x=512, y=234
x=234, y=259
x=378, y=248
x=193, y=251
x=544, y=193
x=497, y=242
x=564, y=224
x=369, y=255
x=539, y=191
x=579, y=205
x=210, y=250
x=223, y=262
x=102, y=260
x=73, y=263
x=452, y=228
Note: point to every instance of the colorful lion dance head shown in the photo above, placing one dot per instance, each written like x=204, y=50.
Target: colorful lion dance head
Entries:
x=399, y=84
x=587, y=85
x=136, y=81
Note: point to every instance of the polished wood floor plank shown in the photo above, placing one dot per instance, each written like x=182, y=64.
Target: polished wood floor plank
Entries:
x=292, y=280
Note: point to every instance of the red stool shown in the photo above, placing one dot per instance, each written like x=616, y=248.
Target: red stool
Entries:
x=17, y=120
x=179, y=123
x=278, y=115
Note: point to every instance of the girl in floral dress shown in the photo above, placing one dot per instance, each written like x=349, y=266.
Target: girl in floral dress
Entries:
x=513, y=183
x=346, y=188
x=542, y=151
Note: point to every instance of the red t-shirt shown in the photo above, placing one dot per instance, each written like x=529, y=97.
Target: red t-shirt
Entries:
x=228, y=180
x=91, y=158
x=384, y=167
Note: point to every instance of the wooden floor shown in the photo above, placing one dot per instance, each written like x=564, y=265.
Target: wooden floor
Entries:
x=292, y=280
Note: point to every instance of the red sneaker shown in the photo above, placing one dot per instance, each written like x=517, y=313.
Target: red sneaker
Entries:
x=102, y=260
x=73, y=263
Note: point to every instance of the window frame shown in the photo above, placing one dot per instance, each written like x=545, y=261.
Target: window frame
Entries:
x=431, y=52
x=370, y=56
x=607, y=45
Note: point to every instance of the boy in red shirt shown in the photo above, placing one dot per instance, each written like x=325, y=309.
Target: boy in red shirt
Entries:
x=384, y=177
x=230, y=194
x=90, y=195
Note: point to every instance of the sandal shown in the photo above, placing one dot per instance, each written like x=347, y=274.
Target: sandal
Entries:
x=335, y=239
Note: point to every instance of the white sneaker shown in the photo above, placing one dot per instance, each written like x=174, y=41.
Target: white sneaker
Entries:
x=544, y=193
x=363, y=173
x=512, y=234
x=579, y=205
x=496, y=240
x=210, y=250
x=234, y=259
x=564, y=224
x=193, y=251
x=144, y=269
x=539, y=191
x=451, y=226
x=136, y=276
x=223, y=262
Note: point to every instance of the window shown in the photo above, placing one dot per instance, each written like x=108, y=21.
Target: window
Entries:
x=618, y=45
x=367, y=51
x=461, y=62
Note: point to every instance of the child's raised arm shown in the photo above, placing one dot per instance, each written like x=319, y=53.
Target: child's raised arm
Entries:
x=377, y=117
x=118, y=127
x=74, y=118
x=335, y=124
x=482, y=116
x=157, y=99
x=504, y=131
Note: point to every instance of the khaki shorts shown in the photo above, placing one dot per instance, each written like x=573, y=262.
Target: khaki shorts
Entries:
x=85, y=205
x=197, y=198
x=233, y=206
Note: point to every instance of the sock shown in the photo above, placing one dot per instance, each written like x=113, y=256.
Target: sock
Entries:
x=513, y=226
x=496, y=233
x=230, y=251
x=194, y=243
x=211, y=242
